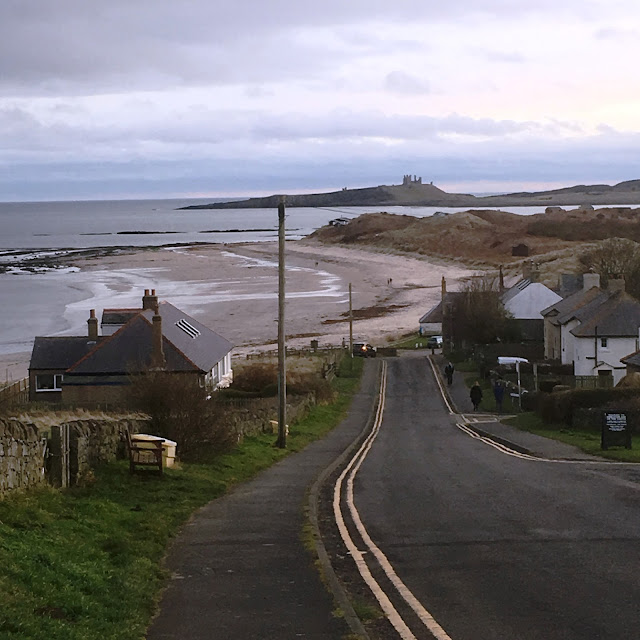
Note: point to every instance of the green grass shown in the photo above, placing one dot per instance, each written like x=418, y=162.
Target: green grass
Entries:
x=410, y=342
x=86, y=562
x=586, y=440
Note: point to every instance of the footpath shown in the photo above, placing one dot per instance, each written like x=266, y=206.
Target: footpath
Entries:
x=489, y=425
x=240, y=569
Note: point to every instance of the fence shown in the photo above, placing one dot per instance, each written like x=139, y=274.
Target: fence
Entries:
x=15, y=393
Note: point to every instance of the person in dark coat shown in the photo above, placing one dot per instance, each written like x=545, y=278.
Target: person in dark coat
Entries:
x=448, y=371
x=498, y=393
x=476, y=395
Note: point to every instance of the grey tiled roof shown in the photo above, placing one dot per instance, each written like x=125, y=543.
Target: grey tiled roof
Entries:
x=558, y=311
x=59, y=352
x=435, y=313
x=130, y=349
x=616, y=316
x=118, y=316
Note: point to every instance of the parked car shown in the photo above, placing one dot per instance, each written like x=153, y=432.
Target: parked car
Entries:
x=434, y=342
x=363, y=349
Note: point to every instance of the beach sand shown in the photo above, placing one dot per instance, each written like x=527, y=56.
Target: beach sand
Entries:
x=233, y=289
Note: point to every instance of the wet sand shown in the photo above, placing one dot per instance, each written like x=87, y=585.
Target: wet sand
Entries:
x=233, y=289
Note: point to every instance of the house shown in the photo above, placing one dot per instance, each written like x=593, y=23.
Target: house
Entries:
x=594, y=329
x=433, y=322
x=558, y=342
x=97, y=369
x=525, y=300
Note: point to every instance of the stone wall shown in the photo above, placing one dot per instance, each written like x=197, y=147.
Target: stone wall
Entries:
x=256, y=415
x=21, y=456
x=24, y=464
x=93, y=442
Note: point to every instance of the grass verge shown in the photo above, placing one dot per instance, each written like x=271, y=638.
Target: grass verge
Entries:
x=586, y=440
x=87, y=562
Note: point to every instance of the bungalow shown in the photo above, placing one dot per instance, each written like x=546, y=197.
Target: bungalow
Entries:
x=95, y=369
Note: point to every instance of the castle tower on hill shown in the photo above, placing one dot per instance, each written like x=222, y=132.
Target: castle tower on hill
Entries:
x=407, y=180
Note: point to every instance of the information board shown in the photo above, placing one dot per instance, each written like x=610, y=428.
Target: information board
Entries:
x=616, y=430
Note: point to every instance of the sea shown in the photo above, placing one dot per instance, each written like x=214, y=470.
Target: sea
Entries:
x=41, y=301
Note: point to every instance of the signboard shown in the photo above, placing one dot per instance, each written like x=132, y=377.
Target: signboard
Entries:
x=616, y=430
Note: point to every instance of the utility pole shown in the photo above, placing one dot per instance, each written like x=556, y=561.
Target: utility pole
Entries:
x=282, y=353
x=350, y=324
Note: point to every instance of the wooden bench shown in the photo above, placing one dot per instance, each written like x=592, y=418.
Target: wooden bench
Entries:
x=144, y=454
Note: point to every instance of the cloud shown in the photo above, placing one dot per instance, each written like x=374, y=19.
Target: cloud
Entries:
x=401, y=82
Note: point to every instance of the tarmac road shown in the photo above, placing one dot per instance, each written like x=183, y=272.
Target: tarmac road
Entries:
x=494, y=546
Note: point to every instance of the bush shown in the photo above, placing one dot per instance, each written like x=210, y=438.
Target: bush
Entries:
x=560, y=406
x=256, y=377
x=180, y=411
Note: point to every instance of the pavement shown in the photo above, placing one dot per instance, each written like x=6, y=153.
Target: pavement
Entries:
x=240, y=569
x=490, y=425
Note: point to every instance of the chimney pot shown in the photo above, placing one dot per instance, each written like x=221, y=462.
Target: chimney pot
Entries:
x=92, y=324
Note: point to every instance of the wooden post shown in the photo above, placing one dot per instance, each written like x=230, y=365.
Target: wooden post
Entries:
x=59, y=447
x=282, y=366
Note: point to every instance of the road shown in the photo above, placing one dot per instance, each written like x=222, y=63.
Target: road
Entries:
x=491, y=546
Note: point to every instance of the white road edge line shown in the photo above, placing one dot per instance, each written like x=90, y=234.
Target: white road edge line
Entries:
x=352, y=469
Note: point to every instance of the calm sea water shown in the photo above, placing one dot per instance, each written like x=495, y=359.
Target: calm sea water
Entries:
x=65, y=225
x=54, y=302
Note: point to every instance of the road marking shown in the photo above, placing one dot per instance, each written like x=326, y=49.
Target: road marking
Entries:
x=385, y=603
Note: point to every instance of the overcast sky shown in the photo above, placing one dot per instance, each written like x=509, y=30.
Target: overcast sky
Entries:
x=158, y=98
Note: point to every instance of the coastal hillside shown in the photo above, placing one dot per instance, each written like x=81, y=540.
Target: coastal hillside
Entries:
x=486, y=237
x=412, y=192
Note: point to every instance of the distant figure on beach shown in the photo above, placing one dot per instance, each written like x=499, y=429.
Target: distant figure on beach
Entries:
x=476, y=395
x=498, y=393
x=448, y=371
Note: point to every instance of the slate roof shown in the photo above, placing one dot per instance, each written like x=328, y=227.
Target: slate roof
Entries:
x=618, y=316
x=59, y=352
x=130, y=349
x=118, y=316
x=435, y=313
x=633, y=359
x=514, y=290
x=569, y=305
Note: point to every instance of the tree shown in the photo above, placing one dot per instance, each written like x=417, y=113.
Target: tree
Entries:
x=478, y=315
x=615, y=258
x=180, y=410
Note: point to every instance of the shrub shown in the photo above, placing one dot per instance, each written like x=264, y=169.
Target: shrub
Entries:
x=181, y=411
x=560, y=406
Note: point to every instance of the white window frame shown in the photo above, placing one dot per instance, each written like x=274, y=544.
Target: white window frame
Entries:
x=57, y=382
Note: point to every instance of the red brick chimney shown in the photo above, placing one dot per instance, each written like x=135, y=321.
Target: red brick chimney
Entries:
x=157, y=351
x=150, y=300
x=93, y=325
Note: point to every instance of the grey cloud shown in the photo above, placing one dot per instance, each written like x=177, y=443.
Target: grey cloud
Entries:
x=405, y=83
x=73, y=47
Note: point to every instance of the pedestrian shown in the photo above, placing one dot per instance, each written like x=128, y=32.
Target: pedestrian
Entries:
x=475, y=395
x=448, y=371
x=498, y=393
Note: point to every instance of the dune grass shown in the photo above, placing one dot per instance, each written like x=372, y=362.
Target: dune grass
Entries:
x=87, y=562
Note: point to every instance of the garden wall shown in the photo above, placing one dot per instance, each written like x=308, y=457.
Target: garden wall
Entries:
x=21, y=456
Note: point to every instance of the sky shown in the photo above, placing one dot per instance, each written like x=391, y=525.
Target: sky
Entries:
x=213, y=98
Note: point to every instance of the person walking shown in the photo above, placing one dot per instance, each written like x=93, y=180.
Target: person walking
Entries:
x=498, y=393
x=448, y=371
x=476, y=395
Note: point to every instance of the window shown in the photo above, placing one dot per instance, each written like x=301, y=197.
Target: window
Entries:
x=49, y=382
x=603, y=343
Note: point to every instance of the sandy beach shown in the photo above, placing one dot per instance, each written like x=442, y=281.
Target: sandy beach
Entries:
x=233, y=289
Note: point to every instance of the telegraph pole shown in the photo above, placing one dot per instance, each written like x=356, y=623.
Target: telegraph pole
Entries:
x=350, y=324
x=282, y=355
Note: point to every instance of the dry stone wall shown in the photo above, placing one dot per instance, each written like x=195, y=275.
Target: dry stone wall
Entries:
x=22, y=460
